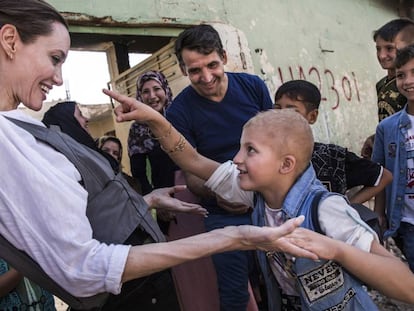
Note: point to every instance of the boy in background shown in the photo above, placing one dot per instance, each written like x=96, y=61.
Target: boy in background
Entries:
x=394, y=149
x=390, y=100
x=337, y=168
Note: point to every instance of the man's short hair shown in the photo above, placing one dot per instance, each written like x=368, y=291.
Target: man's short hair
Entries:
x=300, y=90
x=203, y=39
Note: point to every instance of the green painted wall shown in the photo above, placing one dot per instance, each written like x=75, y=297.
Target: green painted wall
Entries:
x=328, y=42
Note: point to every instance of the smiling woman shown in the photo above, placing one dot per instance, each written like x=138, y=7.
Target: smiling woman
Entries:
x=85, y=85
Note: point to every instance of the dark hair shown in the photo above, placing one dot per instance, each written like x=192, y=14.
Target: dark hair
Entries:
x=388, y=31
x=202, y=38
x=404, y=56
x=300, y=90
x=406, y=34
x=32, y=18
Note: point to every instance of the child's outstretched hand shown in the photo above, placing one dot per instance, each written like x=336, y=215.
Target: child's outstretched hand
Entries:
x=130, y=108
x=277, y=239
x=324, y=247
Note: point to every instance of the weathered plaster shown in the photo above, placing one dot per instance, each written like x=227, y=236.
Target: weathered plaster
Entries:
x=326, y=42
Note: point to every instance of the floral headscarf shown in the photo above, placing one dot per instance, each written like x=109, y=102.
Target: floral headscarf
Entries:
x=160, y=78
x=139, y=138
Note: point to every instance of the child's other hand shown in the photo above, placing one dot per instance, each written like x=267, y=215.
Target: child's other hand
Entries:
x=234, y=208
x=163, y=198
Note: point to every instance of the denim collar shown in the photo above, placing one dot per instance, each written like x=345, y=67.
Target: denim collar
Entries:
x=299, y=191
x=404, y=120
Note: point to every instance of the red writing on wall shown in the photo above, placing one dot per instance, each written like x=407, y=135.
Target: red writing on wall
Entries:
x=342, y=87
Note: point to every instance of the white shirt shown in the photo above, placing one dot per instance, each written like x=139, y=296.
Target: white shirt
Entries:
x=42, y=211
x=407, y=213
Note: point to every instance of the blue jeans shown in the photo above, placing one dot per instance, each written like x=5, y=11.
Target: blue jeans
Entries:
x=406, y=233
x=232, y=268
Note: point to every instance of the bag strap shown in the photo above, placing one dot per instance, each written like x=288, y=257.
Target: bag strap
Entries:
x=315, y=211
x=369, y=218
x=97, y=172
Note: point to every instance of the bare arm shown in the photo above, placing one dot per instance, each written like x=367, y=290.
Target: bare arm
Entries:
x=366, y=193
x=379, y=268
x=150, y=258
x=379, y=208
x=176, y=146
x=197, y=168
x=196, y=186
x=9, y=281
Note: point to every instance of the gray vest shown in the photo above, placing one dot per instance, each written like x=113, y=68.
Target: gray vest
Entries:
x=115, y=211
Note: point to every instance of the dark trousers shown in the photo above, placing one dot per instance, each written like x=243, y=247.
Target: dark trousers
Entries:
x=155, y=293
x=232, y=268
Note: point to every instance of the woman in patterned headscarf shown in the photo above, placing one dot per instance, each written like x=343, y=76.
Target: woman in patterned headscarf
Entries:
x=153, y=90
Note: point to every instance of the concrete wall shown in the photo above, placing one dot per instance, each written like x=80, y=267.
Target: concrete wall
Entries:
x=326, y=42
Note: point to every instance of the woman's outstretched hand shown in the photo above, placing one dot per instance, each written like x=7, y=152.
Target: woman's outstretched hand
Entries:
x=163, y=198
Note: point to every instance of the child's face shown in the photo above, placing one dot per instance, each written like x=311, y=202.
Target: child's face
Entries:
x=405, y=80
x=386, y=53
x=285, y=102
x=257, y=161
x=112, y=148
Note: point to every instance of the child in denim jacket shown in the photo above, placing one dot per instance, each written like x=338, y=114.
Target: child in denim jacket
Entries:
x=272, y=172
x=394, y=149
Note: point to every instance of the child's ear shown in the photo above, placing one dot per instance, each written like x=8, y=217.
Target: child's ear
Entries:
x=288, y=164
x=313, y=116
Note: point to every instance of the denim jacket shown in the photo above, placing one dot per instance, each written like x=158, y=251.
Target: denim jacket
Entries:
x=390, y=152
x=323, y=285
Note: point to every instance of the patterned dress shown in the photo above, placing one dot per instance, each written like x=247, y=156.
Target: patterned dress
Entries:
x=390, y=100
x=26, y=296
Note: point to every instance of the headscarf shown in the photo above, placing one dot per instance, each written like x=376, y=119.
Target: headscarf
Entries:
x=160, y=78
x=62, y=115
x=139, y=138
x=103, y=139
